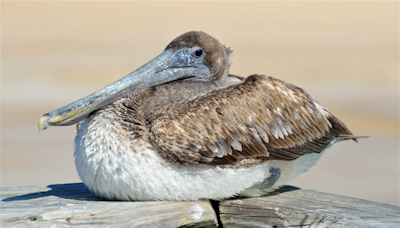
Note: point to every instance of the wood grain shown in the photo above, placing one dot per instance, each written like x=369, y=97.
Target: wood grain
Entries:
x=293, y=207
x=68, y=205
x=72, y=204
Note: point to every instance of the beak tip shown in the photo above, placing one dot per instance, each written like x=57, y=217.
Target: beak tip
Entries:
x=43, y=122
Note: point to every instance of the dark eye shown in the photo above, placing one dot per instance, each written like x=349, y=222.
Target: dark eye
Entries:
x=198, y=52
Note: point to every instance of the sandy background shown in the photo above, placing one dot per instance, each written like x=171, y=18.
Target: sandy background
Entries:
x=346, y=54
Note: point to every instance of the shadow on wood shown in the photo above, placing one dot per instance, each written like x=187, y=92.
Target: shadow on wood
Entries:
x=77, y=191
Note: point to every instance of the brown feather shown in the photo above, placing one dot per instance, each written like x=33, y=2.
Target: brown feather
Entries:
x=260, y=117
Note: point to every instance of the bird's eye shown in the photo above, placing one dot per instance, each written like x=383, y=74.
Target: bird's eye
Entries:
x=198, y=52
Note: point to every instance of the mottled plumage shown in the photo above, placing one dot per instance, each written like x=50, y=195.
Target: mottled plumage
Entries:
x=202, y=134
x=244, y=121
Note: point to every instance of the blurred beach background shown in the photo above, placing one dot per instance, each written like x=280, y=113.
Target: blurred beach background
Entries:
x=345, y=54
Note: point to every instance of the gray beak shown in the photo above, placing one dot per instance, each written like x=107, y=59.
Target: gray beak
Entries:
x=166, y=67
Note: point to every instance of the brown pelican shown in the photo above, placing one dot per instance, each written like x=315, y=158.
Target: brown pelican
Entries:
x=180, y=128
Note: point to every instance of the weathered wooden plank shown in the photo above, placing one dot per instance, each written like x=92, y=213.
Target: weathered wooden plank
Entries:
x=293, y=207
x=73, y=204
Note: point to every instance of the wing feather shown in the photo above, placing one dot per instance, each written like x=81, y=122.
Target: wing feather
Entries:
x=260, y=117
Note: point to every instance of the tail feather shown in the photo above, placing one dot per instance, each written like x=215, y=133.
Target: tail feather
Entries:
x=341, y=131
x=349, y=137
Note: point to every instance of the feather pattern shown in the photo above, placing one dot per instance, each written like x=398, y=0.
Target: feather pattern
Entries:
x=260, y=117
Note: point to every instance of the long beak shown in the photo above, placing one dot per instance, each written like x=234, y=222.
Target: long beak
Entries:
x=159, y=70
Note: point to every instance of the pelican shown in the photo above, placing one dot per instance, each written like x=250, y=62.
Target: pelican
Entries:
x=182, y=128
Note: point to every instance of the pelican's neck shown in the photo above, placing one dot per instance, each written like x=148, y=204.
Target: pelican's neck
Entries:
x=148, y=101
x=164, y=95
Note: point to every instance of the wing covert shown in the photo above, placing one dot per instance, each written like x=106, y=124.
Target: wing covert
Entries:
x=241, y=121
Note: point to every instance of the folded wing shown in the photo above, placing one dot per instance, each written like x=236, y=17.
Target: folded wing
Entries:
x=262, y=117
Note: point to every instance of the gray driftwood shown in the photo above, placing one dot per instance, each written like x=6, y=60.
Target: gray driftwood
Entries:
x=293, y=207
x=72, y=204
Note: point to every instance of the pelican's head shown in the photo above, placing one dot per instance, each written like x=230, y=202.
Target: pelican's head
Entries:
x=191, y=56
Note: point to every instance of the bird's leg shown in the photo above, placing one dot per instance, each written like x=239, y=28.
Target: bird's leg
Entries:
x=271, y=180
